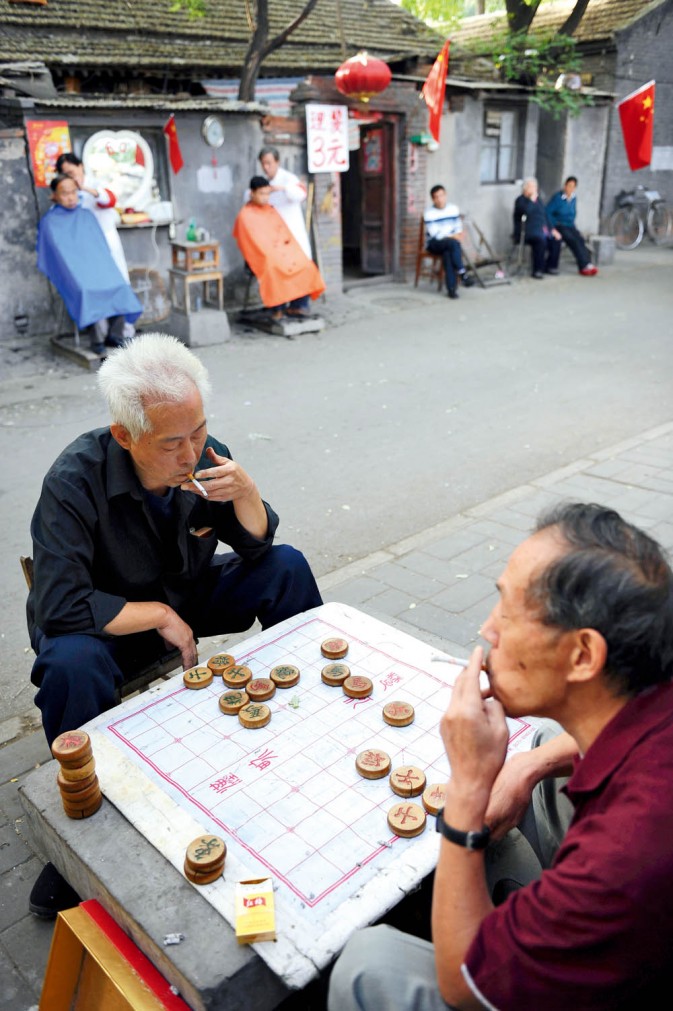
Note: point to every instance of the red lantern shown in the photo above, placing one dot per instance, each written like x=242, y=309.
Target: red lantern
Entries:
x=362, y=77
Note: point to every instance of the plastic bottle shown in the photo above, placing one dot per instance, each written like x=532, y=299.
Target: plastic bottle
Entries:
x=191, y=230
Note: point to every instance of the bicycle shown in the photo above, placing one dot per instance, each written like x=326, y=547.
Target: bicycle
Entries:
x=640, y=212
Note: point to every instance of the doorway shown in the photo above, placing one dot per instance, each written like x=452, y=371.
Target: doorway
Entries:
x=368, y=205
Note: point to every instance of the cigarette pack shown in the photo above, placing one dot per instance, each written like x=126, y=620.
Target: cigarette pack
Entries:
x=255, y=911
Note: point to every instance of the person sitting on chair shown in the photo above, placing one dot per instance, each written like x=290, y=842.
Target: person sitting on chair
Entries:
x=443, y=235
x=544, y=240
x=125, y=541
x=287, y=277
x=73, y=253
x=561, y=211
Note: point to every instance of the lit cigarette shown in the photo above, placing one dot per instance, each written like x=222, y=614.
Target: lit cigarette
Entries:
x=198, y=485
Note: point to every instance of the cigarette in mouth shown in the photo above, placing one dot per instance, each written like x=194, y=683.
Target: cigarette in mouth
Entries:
x=198, y=485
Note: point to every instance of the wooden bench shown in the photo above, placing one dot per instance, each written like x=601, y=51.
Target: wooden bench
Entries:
x=160, y=669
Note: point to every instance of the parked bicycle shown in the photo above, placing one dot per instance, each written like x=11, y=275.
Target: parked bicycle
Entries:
x=640, y=212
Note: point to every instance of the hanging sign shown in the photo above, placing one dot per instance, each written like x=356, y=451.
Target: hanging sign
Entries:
x=327, y=137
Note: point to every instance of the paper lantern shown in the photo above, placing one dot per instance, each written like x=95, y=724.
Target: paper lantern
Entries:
x=362, y=77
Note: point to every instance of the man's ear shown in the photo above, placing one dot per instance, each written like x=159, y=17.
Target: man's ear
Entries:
x=121, y=435
x=588, y=655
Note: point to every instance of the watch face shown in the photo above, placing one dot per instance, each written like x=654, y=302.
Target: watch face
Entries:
x=213, y=131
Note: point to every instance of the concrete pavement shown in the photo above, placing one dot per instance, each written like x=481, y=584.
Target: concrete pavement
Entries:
x=437, y=584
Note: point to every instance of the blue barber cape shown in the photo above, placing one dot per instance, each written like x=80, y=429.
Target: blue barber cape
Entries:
x=73, y=252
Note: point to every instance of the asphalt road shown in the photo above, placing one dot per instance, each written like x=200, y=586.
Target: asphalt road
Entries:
x=407, y=409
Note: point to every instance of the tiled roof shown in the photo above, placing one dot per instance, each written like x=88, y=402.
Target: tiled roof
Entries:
x=601, y=20
x=146, y=34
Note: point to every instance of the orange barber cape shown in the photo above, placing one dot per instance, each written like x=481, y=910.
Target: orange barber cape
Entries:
x=282, y=268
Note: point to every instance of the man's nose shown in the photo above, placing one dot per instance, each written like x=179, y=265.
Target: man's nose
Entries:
x=188, y=455
x=488, y=632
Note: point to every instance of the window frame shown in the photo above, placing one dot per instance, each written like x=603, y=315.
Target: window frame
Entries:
x=516, y=145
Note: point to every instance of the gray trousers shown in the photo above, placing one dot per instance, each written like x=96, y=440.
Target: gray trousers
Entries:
x=383, y=969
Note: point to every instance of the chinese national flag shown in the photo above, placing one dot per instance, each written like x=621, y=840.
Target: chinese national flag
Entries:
x=174, y=152
x=434, y=88
x=636, y=114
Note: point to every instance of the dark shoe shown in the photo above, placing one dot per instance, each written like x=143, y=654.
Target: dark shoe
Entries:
x=97, y=349
x=113, y=342
x=467, y=280
x=51, y=893
x=537, y=275
x=453, y=293
x=551, y=270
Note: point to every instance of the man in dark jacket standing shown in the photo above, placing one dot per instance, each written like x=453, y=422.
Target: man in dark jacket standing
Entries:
x=544, y=240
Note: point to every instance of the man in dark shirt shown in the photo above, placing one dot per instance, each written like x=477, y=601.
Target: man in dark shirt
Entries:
x=124, y=540
x=582, y=634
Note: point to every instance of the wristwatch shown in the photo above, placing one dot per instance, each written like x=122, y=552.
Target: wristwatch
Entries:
x=470, y=840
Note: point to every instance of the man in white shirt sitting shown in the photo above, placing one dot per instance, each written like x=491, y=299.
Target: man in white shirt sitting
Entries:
x=443, y=233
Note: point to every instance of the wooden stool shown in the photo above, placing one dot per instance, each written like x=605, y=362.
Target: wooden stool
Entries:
x=181, y=300
x=192, y=256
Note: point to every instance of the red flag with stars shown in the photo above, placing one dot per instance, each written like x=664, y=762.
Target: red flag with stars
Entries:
x=434, y=88
x=636, y=114
x=174, y=152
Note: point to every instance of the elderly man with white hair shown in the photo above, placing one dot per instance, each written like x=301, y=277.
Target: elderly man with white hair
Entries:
x=530, y=214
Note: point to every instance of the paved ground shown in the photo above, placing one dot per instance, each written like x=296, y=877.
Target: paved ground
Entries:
x=438, y=584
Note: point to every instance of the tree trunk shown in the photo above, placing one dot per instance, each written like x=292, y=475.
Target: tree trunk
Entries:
x=572, y=21
x=260, y=48
x=520, y=15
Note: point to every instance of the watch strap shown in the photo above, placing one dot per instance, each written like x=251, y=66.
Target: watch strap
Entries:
x=477, y=840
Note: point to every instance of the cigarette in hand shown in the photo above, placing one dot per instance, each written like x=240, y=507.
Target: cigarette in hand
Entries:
x=198, y=485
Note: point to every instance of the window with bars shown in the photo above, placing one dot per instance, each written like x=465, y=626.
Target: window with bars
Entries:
x=501, y=145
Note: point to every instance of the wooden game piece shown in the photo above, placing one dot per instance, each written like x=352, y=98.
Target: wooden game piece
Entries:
x=72, y=748
x=205, y=853
x=335, y=674
x=77, y=775
x=237, y=676
x=83, y=812
x=197, y=677
x=334, y=648
x=220, y=662
x=233, y=701
x=398, y=714
x=81, y=798
x=202, y=879
x=373, y=763
x=434, y=797
x=260, y=689
x=407, y=781
x=285, y=675
x=357, y=686
x=254, y=715
x=406, y=820
x=74, y=785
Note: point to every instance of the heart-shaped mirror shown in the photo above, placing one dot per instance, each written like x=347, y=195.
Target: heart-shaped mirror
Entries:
x=121, y=161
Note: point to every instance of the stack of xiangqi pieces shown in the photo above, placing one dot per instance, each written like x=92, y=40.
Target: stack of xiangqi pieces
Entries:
x=77, y=779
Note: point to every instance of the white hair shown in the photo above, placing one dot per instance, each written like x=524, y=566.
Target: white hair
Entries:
x=527, y=183
x=151, y=369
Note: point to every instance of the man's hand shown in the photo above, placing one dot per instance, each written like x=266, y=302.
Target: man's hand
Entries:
x=474, y=732
x=226, y=481
x=557, y=235
x=177, y=633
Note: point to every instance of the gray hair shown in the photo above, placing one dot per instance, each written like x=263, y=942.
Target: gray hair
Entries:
x=270, y=150
x=151, y=369
x=527, y=183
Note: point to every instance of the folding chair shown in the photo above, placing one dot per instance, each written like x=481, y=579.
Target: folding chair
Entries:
x=428, y=265
x=478, y=256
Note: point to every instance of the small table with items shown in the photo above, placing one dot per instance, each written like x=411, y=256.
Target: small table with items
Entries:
x=196, y=263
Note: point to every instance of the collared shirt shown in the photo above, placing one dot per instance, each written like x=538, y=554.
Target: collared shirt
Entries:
x=288, y=203
x=97, y=545
x=561, y=209
x=442, y=222
x=596, y=930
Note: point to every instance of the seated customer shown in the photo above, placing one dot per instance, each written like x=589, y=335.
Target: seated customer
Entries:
x=530, y=214
x=561, y=211
x=443, y=235
x=124, y=543
x=287, y=277
x=74, y=254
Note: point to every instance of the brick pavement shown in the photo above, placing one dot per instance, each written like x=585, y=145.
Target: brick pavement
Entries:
x=437, y=585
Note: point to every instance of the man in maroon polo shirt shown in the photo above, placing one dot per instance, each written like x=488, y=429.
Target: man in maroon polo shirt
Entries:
x=582, y=634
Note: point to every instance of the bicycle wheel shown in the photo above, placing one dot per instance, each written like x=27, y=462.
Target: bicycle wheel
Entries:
x=627, y=228
x=659, y=223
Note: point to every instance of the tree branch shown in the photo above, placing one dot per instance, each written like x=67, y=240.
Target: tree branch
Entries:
x=282, y=36
x=572, y=21
x=520, y=14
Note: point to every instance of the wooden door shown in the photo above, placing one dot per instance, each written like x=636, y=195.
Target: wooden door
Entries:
x=378, y=210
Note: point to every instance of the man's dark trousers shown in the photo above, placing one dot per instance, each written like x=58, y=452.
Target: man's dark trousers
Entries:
x=545, y=253
x=575, y=244
x=451, y=254
x=80, y=676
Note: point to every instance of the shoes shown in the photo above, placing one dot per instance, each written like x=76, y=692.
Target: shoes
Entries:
x=97, y=349
x=297, y=314
x=537, y=275
x=589, y=270
x=551, y=270
x=453, y=293
x=50, y=894
x=467, y=279
x=112, y=342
